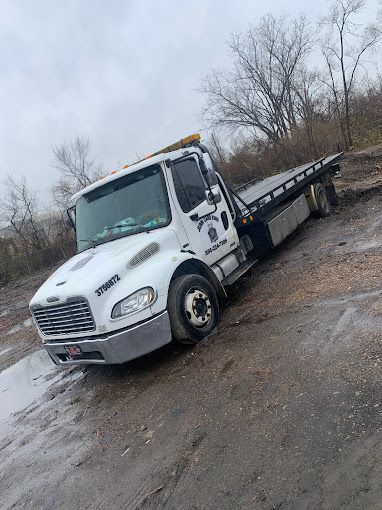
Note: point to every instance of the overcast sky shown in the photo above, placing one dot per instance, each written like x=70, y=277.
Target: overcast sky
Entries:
x=123, y=73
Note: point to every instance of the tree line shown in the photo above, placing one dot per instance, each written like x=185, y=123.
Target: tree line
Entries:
x=33, y=240
x=295, y=90
x=20, y=207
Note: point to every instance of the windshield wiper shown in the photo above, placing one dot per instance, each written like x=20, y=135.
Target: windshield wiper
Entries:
x=95, y=242
x=141, y=227
x=92, y=242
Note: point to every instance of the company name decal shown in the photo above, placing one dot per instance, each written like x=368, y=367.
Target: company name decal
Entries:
x=210, y=222
x=210, y=217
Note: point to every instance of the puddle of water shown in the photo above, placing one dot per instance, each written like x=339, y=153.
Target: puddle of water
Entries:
x=24, y=382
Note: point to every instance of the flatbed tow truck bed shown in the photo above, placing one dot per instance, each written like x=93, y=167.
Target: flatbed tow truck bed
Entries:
x=267, y=194
x=268, y=211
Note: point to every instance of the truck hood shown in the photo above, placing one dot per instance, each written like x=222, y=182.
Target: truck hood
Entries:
x=88, y=270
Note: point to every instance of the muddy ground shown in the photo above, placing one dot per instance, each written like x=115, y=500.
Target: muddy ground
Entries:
x=280, y=408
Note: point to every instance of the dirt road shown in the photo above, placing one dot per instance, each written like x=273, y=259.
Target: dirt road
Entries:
x=280, y=408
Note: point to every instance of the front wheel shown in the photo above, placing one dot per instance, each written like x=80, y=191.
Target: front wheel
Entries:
x=193, y=308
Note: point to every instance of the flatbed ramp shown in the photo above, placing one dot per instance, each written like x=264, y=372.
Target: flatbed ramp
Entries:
x=275, y=189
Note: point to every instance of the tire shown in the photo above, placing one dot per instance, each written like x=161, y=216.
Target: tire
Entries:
x=193, y=308
x=324, y=207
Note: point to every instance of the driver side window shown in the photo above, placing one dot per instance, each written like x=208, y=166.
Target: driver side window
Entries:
x=189, y=184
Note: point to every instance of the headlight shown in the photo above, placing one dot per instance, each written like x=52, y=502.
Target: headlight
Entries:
x=134, y=303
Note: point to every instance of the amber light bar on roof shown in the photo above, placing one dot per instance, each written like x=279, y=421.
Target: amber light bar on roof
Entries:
x=183, y=142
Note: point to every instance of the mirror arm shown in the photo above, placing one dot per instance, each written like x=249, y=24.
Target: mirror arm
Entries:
x=68, y=211
x=196, y=217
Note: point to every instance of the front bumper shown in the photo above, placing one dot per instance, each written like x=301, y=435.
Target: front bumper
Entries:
x=117, y=347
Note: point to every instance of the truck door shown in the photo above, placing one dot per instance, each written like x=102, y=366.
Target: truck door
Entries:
x=208, y=223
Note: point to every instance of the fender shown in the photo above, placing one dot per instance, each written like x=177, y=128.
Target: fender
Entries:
x=187, y=264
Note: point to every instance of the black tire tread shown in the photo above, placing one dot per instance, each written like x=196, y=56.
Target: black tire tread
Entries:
x=321, y=213
x=182, y=331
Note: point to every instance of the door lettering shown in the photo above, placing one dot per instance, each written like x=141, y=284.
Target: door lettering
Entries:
x=209, y=217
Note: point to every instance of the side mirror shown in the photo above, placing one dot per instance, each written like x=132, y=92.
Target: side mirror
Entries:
x=213, y=198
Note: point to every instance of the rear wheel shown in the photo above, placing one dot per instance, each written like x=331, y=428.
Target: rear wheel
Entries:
x=193, y=308
x=323, y=203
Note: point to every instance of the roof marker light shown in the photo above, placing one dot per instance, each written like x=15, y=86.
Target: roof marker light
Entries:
x=180, y=144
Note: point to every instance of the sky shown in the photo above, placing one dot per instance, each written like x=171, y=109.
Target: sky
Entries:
x=123, y=73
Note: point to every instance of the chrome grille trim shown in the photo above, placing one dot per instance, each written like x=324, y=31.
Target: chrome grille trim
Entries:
x=72, y=311
x=74, y=316
x=64, y=317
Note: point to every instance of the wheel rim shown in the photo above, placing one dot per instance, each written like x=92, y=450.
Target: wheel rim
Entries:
x=198, y=308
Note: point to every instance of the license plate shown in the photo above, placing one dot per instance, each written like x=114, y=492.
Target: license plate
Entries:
x=73, y=351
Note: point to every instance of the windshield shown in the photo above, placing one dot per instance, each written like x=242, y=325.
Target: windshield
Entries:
x=134, y=203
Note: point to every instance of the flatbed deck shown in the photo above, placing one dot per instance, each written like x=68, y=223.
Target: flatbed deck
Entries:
x=273, y=190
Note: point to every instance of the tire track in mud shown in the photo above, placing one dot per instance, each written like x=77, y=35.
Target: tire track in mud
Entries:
x=123, y=500
x=157, y=489
x=182, y=469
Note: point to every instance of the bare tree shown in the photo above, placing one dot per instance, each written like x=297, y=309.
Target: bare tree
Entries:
x=344, y=48
x=217, y=149
x=77, y=168
x=310, y=104
x=19, y=210
x=259, y=94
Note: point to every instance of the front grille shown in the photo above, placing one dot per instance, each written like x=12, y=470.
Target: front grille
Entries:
x=72, y=317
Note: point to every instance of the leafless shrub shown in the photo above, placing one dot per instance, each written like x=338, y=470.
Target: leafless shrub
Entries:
x=19, y=211
x=26, y=261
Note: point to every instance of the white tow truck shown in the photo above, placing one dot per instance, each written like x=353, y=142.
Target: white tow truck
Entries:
x=158, y=244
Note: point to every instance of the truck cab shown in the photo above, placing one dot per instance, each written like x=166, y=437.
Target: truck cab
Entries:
x=155, y=240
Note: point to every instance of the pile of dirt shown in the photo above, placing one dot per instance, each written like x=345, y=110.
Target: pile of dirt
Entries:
x=372, y=152
x=353, y=195
x=361, y=168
